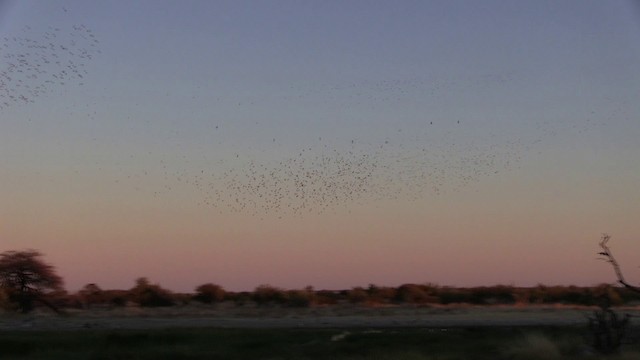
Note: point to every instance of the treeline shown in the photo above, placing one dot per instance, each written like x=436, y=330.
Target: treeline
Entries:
x=146, y=294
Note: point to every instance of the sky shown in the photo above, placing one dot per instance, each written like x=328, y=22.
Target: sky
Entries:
x=325, y=143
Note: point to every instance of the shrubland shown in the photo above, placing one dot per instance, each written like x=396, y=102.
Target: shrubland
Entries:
x=147, y=294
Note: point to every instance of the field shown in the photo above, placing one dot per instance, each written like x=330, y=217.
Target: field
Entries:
x=455, y=332
x=209, y=343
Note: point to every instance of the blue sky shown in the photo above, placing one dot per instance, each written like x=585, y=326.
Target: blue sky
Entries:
x=237, y=128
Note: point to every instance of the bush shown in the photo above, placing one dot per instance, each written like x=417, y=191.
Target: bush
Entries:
x=209, y=293
x=301, y=298
x=605, y=293
x=576, y=295
x=57, y=300
x=357, y=295
x=449, y=295
x=327, y=297
x=91, y=294
x=538, y=294
x=542, y=294
x=413, y=294
x=267, y=294
x=499, y=294
x=239, y=298
x=6, y=303
x=380, y=294
x=148, y=295
x=117, y=298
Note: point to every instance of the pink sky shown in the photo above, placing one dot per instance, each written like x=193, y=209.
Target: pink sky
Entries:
x=497, y=233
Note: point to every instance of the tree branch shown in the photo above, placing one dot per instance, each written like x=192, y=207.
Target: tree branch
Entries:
x=608, y=257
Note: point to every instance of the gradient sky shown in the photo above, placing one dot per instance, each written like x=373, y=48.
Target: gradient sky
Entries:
x=324, y=143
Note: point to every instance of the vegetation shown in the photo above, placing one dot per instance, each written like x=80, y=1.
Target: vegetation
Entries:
x=609, y=329
x=150, y=295
x=269, y=295
x=91, y=294
x=25, y=279
x=301, y=298
x=145, y=294
x=209, y=293
x=608, y=257
x=472, y=343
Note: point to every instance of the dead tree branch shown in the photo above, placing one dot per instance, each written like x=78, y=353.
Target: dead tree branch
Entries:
x=608, y=257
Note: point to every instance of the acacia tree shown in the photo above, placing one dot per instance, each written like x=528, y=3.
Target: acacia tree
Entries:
x=25, y=278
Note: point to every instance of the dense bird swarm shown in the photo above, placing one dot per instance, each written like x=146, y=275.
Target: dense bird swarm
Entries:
x=36, y=63
x=445, y=150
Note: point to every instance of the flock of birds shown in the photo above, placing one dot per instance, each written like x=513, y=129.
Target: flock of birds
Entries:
x=36, y=63
x=429, y=157
x=409, y=162
x=323, y=178
x=316, y=181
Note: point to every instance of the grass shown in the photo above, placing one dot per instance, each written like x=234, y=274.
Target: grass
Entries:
x=352, y=344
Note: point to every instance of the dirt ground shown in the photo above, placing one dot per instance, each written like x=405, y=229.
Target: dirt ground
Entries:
x=225, y=316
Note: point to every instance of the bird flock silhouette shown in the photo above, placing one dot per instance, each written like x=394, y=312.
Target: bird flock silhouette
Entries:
x=316, y=180
x=37, y=62
x=431, y=156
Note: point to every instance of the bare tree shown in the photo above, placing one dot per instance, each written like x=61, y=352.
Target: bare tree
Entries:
x=608, y=257
x=609, y=329
x=24, y=278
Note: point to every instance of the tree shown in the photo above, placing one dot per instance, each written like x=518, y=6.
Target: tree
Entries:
x=301, y=298
x=608, y=328
x=267, y=294
x=608, y=257
x=25, y=278
x=150, y=295
x=209, y=293
x=91, y=294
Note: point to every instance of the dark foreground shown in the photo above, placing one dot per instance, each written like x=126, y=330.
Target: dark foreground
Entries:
x=495, y=343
